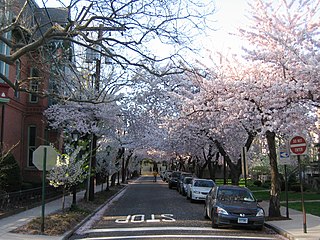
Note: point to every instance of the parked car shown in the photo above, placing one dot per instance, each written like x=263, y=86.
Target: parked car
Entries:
x=167, y=175
x=186, y=181
x=199, y=188
x=180, y=181
x=173, y=180
x=233, y=205
x=162, y=174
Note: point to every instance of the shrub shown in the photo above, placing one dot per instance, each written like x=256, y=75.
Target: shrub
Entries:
x=292, y=180
x=266, y=184
x=10, y=177
x=257, y=183
x=26, y=185
x=295, y=188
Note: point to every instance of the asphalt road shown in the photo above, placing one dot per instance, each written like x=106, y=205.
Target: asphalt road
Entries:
x=150, y=210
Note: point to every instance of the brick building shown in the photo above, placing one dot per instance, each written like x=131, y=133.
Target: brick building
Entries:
x=23, y=126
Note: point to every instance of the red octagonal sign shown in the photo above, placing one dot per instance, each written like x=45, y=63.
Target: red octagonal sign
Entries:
x=298, y=145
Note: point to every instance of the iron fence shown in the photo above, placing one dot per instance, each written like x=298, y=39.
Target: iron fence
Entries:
x=25, y=198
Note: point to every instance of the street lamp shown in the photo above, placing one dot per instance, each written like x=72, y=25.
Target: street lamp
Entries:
x=75, y=137
x=3, y=101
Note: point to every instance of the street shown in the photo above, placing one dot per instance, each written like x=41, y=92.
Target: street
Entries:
x=150, y=210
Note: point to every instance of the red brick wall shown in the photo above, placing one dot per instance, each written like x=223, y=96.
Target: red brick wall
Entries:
x=19, y=114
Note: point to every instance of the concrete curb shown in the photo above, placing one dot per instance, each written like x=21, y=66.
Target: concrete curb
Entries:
x=279, y=231
x=72, y=231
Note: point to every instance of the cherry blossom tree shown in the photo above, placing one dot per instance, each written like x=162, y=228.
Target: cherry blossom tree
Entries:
x=106, y=159
x=283, y=40
x=92, y=121
x=153, y=103
x=68, y=172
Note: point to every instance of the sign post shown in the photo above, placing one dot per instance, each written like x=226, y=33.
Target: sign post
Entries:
x=298, y=146
x=43, y=188
x=44, y=158
x=285, y=159
x=244, y=164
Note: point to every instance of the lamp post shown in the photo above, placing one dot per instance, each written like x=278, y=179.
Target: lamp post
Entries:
x=3, y=102
x=317, y=146
x=75, y=137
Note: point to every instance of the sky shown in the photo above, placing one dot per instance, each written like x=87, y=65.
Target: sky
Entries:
x=229, y=15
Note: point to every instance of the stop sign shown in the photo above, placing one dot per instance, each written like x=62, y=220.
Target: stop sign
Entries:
x=298, y=145
x=51, y=157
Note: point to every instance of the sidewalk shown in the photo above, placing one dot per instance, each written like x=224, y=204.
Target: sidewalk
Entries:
x=10, y=223
x=293, y=229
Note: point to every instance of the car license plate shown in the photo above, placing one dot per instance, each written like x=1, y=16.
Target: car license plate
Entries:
x=242, y=220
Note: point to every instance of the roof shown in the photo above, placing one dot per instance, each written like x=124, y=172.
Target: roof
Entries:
x=52, y=15
x=231, y=187
x=47, y=17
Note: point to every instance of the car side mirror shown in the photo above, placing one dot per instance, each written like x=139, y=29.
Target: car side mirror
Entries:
x=259, y=200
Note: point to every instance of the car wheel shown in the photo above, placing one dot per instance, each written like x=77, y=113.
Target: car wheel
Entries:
x=205, y=214
x=213, y=223
x=191, y=200
x=259, y=228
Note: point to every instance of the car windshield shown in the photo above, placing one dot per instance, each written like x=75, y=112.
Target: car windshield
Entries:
x=231, y=195
x=188, y=180
x=176, y=174
x=203, y=183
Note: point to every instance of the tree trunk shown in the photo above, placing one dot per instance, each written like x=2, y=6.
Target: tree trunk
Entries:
x=201, y=170
x=123, y=171
x=274, y=205
x=211, y=164
x=235, y=169
x=126, y=165
x=93, y=168
x=63, y=198
x=113, y=179
x=107, y=188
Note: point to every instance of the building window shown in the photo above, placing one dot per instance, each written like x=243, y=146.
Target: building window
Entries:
x=31, y=143
x=5, y=50
x=18, y=76
x=34, y=85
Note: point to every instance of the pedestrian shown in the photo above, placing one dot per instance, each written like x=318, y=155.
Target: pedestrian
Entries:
x=155, y=175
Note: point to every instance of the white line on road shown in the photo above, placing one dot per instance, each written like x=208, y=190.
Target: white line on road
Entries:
x=178, y=236
x=137, y=229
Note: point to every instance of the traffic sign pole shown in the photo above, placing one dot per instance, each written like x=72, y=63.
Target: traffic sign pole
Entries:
x=298, y=146
x=43, y=188
x=44, y=158
x=302, y=197
x=286, y=190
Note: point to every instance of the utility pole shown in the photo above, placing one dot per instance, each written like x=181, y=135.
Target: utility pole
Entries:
x=94, y=137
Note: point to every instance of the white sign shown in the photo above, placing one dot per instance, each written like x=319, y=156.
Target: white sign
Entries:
x=51, y=157
x=284, y=157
